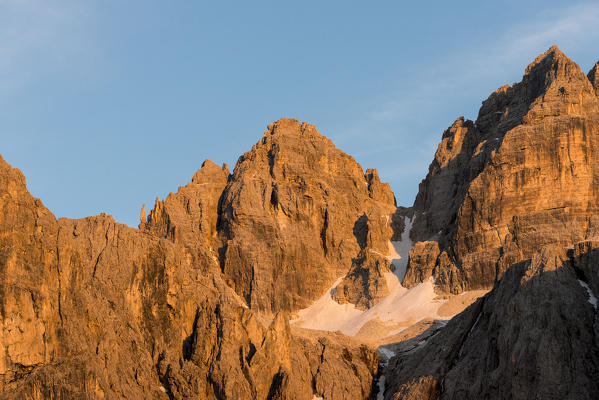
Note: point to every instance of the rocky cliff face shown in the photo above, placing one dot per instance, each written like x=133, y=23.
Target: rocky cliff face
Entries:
x=294, y=215
x=196, y=302
x=524, y=175
x=91, y=308
x=188, y=217
x=533, y=336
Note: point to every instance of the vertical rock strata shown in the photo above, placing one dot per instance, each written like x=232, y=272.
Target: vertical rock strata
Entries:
x=91, y=308
x=522, y=189
x=524, y=175
x=189, y=216
x=196, y=302
x=294, y=214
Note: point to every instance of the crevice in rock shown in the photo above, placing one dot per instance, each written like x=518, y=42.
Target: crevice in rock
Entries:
x=164, y=378
x=361, y=230
x=188, y=343
x=21, y=371
x=100, y=254
x=59, y=278
x=274, y=197
x=323, y=232
x=246, y=372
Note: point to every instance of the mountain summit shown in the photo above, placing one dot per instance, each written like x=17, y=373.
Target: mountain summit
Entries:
x=522, y=185
x=296, y=276
x=522, y=176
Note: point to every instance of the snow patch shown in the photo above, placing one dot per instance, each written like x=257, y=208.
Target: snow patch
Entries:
x=592, y=298
x=385, y=353
x=399, y=251
x=381, y=384
x=326, y=314
x=401, y=305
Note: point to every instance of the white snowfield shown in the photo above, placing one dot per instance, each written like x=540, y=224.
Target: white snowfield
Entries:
x=381, y=383
x=399, y=251
x=592, y=298
x=400, y=306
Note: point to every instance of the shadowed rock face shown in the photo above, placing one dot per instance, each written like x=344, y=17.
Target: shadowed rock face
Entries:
x=533, y=336
x=594, y=77
x=525, y=175
x=91, y=308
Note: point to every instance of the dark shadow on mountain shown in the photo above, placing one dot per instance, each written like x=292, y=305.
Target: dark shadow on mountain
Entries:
x=532, y=336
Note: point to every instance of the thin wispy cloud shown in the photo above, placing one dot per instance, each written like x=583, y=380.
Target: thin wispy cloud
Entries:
x=410, y=120
x=572, y=28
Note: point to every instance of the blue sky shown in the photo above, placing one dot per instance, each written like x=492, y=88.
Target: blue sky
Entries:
x=106, y=105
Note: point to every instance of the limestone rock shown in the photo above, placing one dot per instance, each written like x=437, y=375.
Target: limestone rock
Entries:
x=441, y=193
x=289, y=221
x=93, y=309
x=533, y=336
x=195, y=303
x=189, y=216
x=292, y=217
x=421, y=262
x=523, y=176
x=423, y=388
x=365, y=283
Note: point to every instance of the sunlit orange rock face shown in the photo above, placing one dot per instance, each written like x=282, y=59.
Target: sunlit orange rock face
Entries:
x=511, y=202
x=90, y=308
x=295, y=215
x=196, y=302
x=524, y=175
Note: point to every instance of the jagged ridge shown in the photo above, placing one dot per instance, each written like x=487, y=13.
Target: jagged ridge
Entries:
x=524, y=175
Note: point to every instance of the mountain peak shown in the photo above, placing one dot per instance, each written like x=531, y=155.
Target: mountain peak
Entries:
x=551, y=58
x=11, y=178
x=290, y=126
x=550, y=67
x=210, y=172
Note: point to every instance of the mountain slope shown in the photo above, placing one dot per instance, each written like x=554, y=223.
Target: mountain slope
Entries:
x=533, y=336
x=292, y=217
x=522, y=185
x=91, y=308
x=196, y=302
x=524, y=175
